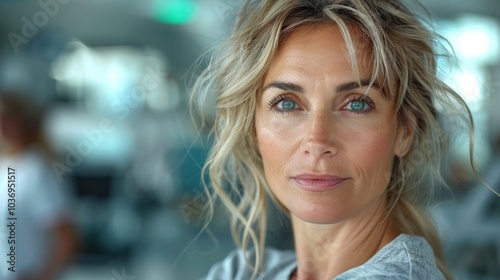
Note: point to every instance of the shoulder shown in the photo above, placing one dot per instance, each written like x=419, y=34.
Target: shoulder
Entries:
x=234, y=266
x=406, y=257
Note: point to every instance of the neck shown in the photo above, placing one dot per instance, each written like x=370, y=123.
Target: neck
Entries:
x=325, y=251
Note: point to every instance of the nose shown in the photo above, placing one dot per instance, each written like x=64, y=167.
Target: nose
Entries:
x=319, y=139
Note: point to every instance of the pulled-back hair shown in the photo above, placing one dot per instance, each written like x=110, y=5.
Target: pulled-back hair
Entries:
x=404, y=59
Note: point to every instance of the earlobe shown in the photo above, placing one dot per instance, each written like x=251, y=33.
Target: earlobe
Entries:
x=405, y=136
x=404, y=146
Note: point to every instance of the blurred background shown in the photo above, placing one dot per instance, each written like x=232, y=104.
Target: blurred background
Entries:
x=112, y=80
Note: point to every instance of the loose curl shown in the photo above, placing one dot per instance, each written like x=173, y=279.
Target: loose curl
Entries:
x=404, y=60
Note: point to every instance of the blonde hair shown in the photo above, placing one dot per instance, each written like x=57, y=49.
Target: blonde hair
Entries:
x=404, y=64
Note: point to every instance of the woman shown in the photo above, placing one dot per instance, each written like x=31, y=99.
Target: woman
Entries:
x=45, y=238
x=329, y=107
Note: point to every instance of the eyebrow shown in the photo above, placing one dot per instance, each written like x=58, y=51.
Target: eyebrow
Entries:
x=340, y=88
x=285, y=86
x=355, y=85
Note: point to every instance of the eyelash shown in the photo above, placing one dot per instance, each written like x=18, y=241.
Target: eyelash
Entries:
x=366, y=100
x=276, y=100
x=284, y=97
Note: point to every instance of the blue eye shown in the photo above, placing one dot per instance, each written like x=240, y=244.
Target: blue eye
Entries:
x=283, y=104
x=287, y=105
x=358, y=105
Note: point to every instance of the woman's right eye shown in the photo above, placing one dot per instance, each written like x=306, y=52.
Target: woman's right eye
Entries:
x=283, y=103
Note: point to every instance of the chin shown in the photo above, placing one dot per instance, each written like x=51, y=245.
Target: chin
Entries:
x=319, y=213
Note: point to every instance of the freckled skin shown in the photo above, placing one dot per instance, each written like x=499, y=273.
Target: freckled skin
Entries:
x=323, y=135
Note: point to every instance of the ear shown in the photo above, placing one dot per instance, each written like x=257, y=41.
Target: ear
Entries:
x=405, y=135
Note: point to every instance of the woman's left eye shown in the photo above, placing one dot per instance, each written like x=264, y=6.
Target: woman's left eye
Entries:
x=359, y=105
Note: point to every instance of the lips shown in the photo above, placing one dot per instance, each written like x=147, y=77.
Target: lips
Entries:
x=318, y=183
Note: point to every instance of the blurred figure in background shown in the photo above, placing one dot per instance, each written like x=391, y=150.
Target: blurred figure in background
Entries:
x=45, y=238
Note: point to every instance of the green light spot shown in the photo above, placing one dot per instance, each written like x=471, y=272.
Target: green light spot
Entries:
x=174, y=11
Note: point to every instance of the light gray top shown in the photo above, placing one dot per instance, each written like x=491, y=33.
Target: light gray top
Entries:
x=406, y=257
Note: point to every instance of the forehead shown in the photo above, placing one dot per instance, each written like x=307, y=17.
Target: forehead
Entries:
x=322, y=49
x=307, y=36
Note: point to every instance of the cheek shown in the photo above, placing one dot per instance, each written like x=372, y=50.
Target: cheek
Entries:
x=271, y=142
x=372, y=153
x=277, y=143
x=275, y=132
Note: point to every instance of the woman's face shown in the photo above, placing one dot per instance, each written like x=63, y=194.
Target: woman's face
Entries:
x=327, y=148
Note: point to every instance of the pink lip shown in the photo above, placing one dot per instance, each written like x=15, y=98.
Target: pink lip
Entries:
x=318, y=183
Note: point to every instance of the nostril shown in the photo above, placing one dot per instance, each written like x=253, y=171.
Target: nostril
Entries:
x=318, y=148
